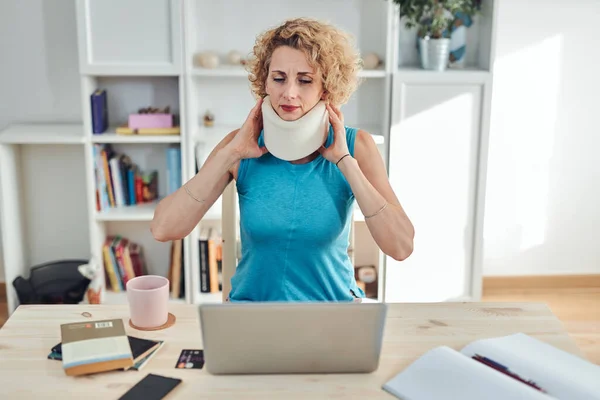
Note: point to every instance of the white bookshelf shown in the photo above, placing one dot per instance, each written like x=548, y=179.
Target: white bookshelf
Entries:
x=398, y=103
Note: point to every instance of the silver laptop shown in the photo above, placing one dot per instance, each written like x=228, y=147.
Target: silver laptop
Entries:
x=284, y=338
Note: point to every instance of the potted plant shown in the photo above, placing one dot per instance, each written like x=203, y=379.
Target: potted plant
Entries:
x=434, y=20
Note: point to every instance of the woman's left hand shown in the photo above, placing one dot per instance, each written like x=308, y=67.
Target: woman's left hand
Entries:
x=339, y=147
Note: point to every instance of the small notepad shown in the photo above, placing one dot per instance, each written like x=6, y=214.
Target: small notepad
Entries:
x=94, y=346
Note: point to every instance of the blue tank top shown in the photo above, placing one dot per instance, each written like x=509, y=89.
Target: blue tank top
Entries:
x=294, y=230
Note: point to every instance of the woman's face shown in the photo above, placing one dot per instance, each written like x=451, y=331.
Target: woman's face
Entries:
x=293, y=86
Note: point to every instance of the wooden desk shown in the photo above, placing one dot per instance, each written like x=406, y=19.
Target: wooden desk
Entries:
x=411, y=330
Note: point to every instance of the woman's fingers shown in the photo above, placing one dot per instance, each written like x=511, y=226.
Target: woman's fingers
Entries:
x=253, y=122
x=255, y=113
x=338, y=112
x=256, y=110
x=334, y=119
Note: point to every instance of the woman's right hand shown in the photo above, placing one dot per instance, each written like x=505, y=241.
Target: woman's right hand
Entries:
x=245, y=142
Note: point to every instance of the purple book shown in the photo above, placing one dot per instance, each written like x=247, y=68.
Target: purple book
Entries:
x=99, y=111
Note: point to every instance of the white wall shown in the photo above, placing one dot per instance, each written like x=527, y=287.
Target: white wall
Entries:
x=39, y=82
x=542, y=212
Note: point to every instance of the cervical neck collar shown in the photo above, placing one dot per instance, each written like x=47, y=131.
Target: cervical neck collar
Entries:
x=293, y=140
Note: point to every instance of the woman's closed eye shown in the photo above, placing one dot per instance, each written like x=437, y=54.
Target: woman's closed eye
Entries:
x=302, y=81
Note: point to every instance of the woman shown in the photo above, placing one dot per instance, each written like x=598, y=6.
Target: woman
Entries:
x=295, y=215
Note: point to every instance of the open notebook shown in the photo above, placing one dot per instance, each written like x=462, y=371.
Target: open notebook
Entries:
x=509, y=367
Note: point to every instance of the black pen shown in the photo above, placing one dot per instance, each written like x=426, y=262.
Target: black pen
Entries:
x=501, y=368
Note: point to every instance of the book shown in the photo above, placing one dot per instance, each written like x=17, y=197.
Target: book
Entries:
x=94, y=346
x=516, y=366
x=173, y=169
x=142, y=361
x=99, y=108
x=142, y=350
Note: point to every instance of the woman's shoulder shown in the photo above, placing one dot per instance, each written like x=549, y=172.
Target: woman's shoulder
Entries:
x=363, y=143
x=352, y=133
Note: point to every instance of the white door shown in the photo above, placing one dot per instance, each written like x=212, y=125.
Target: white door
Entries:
x=122, y=37
x=432, y=168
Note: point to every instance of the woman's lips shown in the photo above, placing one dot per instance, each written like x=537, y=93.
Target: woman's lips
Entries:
x=289, y=108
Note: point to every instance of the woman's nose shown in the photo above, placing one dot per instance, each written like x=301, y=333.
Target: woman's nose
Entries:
x=290, y=91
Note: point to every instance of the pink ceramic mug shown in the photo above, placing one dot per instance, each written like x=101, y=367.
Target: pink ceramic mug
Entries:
x=148, y=298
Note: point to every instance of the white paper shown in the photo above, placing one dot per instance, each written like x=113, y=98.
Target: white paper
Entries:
x=561, y=374
x=444, y=373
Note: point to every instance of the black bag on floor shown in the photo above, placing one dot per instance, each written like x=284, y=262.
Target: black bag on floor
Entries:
x=56, y=282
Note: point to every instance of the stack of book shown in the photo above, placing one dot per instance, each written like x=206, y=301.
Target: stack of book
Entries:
x=123, y=260
x=119, y=181
x=98, y=346
x=211, y=260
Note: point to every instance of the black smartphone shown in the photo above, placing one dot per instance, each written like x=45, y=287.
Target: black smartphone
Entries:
x=151, y=387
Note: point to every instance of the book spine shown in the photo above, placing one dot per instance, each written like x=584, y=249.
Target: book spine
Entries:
x=118, y=249
x=131, y=183
x=124, y=185
x=139, y=189
x=115, y=171
x=116, y=268
x=101, y=179
x=105, y=166
x=109, y=267
x=173, y=169
x=204, y=271
x=99, y=110
x=127, y=261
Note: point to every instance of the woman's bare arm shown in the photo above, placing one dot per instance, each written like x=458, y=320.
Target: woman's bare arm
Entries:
x=177, y=214
x=390, y=227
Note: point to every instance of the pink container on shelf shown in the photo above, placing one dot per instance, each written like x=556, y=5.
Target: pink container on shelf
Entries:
x=140, y=121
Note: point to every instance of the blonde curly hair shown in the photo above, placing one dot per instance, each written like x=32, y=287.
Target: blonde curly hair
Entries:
x=329, y=50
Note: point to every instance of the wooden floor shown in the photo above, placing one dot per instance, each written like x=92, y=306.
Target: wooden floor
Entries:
x=577, y=307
